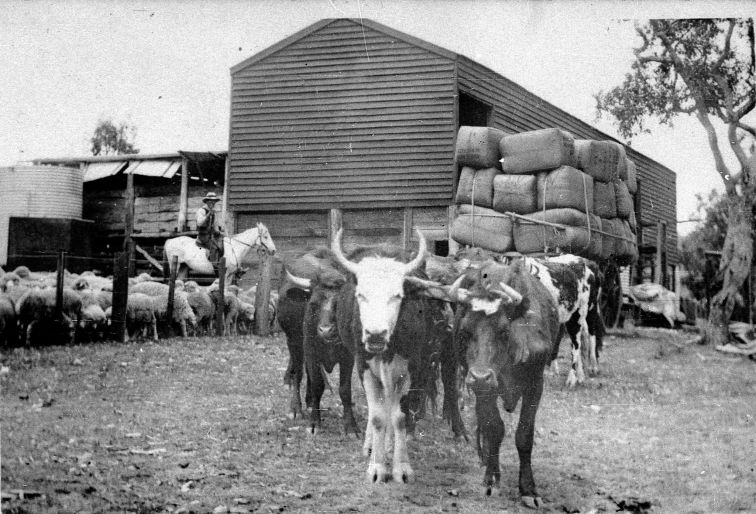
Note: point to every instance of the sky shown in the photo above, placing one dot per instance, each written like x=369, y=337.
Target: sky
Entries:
x=163, y=67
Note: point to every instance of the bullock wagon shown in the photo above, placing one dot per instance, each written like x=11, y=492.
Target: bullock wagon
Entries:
x=350, y=123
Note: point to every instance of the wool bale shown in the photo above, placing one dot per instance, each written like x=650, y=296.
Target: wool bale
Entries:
x=595, y=245
x=624, y=201
x=534, y=237
x=565, y=187
x=608, y=242
x=632, y=222
x=478, y=147
x=599, y=159
x=627, y=252
x=622, y=162
x=536, y=150
x=632, y=177
x=604, y=200
x=476, y=186
x=484, y=228
x=515, y=193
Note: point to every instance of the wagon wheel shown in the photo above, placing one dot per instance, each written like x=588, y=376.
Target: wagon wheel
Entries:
x=611, y=295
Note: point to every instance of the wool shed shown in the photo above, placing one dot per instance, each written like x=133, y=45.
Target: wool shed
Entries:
x=349, y=122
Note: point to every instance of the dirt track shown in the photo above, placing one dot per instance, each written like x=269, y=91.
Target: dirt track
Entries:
x=200, y=425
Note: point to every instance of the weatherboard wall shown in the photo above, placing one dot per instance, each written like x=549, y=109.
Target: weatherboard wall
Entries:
x=344, y=117
x=516, y=110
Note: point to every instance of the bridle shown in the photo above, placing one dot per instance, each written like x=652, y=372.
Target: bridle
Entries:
x=259, y=243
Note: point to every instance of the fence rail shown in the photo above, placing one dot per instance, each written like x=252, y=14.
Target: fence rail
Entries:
x=122, y=266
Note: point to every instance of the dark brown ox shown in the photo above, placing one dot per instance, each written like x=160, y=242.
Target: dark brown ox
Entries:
x=322, y=348
x=394, y=332
x=508, y=324
x=292, y=305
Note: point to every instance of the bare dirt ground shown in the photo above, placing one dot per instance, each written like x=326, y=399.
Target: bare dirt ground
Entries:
x=199, y=425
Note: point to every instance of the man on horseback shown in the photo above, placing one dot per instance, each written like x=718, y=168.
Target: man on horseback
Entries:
x=210, y=232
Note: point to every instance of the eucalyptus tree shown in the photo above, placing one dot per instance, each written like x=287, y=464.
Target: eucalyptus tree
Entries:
x=702, y=68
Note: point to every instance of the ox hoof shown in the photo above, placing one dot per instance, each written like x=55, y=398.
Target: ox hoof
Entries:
x=377, y=473
x=572, y=379
x=403, y=473
x=312, y=430
x=532, y=502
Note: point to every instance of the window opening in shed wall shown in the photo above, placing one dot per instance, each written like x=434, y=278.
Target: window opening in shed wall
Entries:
x=473, y=112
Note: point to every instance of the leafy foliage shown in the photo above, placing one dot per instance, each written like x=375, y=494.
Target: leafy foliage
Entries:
x=683, y=66
x=708, y=235
x=112, y=139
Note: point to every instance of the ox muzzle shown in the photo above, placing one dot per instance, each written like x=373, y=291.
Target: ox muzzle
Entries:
x=375, y=342
x=481, y=379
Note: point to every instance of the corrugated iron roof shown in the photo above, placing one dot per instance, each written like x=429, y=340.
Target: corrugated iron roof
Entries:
x=98, y=170
x=161, y=168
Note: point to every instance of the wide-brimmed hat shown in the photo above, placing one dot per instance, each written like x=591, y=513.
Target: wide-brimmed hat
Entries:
x=211, y=197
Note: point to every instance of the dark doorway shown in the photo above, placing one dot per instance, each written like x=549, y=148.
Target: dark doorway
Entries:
x=473, y=112
x=441, y=248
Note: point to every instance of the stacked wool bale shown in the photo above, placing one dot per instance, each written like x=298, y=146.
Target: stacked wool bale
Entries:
x=531, y=174
x=614, y=184
x=477, y=223
x=548, y=176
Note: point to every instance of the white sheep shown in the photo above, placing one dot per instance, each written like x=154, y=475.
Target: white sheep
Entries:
x=8, y=332
x=140, y=315
x=37, y=307
x=204, y=310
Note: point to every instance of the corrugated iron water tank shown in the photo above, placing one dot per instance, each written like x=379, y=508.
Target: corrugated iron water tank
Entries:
x=38, y=192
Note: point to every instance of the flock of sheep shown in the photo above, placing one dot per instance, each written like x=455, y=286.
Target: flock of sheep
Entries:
x=28, y=301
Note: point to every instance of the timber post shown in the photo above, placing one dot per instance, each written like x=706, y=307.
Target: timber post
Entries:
x=451, y=215
x=172, y=291
x=220, y=308
x=407, y=225
x=335, y=223
x=120, y=296
x=262, y=297
x=61, y=270
x=183, y=196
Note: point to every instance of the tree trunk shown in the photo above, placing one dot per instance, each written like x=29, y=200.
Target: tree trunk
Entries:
x=734, y=268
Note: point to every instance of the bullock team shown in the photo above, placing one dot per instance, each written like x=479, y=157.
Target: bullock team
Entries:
x=28, y=300
x=402, y=320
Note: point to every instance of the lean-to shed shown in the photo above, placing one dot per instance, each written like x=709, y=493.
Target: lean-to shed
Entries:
x=354, y=122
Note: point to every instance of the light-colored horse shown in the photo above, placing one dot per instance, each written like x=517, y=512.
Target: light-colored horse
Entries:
x=235, y=250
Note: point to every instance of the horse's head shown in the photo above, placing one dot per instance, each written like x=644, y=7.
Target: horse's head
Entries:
x=264, y=240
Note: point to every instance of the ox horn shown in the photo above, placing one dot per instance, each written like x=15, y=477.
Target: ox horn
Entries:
x=509, y=292
x=336, y=249
x=457, y=293
x=421, y=254
x=304, y=283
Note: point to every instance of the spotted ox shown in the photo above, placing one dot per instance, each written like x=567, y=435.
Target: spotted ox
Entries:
x=393, y=332
x=508, y=324
x=322, y=348
x=575, y=284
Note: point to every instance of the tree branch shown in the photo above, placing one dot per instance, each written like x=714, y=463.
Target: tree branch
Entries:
x=746, y=107
x=726, y=50
x=748, y=128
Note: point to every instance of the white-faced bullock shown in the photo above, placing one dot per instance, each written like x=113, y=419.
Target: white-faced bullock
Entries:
x=393, y=331
x=575, y=285
x=508, y=324
x=321, y=347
